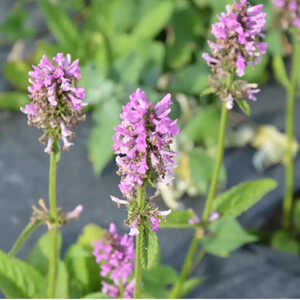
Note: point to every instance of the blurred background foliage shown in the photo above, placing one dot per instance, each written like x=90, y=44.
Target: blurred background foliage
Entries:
x=125, y=44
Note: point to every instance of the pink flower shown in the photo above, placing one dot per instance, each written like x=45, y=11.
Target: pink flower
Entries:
x=116, y=258
x=57, y=102
x=145, y=131
x=289, y=13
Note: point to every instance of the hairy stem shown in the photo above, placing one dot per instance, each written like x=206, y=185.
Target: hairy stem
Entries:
x=208, y=205
x=138, y=248
x=175, y=292
x=218, y=164
x=23, y=237
x=53, y=213
x=289, y=127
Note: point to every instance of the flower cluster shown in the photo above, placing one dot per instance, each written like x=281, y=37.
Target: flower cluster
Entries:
x=57, y=103
x=115, y=255
x=238, y=43
x=142, y=143
x=289, y=12
x=137, y=217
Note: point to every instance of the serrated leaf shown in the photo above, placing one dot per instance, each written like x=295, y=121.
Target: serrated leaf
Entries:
x=90, y=234
x=241, y=197
x=178, y=219
x=189, y=285
x=149, y=248
x=244, y=106
x=20, y=280
x=13, y=100
x=16, y=72
x=61, y=26
x=100, y=141
x=154, y=20
x=280, y=71
x=283, y=241
x=226, y=236
x=84, y=276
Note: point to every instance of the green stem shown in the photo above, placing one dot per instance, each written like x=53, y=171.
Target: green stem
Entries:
x=53, y=214
x=175, y=292
x=208, y=204
x=289, y=166
x=218, y=164
x=23, y=237
x=138, y=248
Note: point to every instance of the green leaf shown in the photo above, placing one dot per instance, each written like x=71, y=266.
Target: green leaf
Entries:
x=156, y=280
x=39, y=258
x=16, y=72
x=39, y=255
x=259, y=73
x=97, y=295
x=178, y=219
x=100, y=141
x=90, y=234
x=227, y=235
x=154, y=20
x=203, y=127
x=62, y=284
x=280, y=71
x=244, y=106
x=150, y=248
x=13, y=100
x=189, y=285
x=20, y=280
x=60, y=25
x=296, y=215
x=241, y=197
x=206, y=91
x=84, y=275
x=283, y=241
x=275, y=42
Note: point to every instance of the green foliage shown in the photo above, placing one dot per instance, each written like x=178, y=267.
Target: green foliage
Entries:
x=14, y=25
x=90, y=234
x=241, y=197
x=100, y=141
x=275, y=42
x=60, y=25
x=13, y=100
x=189, y=285
x=20, y=280
x=97, y=295
x=16, y=72
x=150, y=248
x=203, y=127
x=280, y=71
x=227, y=235
x=83, y=270
x=244, y=106
x=284, y=241
x=39, y=255
x=156, y=281
x=178, y=219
